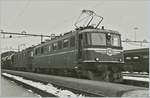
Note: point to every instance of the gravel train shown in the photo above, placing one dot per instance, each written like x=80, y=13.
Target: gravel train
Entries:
x=87, y=52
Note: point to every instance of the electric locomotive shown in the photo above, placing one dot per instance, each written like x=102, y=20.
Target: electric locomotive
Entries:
x=88, y=52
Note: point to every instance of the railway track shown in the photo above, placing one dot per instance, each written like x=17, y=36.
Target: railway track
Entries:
x=140, y=80
x=45, y=89
x=44, y=92
x=136, y=75
x=84, y=87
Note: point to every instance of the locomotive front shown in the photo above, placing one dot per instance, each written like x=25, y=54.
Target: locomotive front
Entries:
x=101, y=54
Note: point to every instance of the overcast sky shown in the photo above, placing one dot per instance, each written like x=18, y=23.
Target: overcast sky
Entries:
x=58, y=16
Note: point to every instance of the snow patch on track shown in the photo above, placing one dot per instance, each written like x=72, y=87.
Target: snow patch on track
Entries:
x=136, y=78
x=47, y=88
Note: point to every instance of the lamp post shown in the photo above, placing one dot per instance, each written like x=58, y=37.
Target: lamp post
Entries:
x=135, y=28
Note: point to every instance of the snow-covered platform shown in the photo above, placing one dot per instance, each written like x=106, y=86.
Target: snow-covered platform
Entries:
x=94, y=87
x=11, y=89
x=136, y=78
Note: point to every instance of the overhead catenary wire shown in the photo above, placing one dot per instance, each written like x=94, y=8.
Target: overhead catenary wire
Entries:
x=35, y=35
x=8, y=37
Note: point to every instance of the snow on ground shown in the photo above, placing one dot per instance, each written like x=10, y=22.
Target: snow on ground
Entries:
x=136, y=74
x=48, y=88
x=136, y=78
x=144, y=73
x=137, y=93
x=125, y=72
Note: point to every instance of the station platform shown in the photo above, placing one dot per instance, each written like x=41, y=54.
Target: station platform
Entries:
x=11, y=89
x=96, y=88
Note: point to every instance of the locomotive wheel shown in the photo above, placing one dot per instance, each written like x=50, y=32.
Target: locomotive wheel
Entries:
x=107, y=76
x=117, y=77
x=113, y=74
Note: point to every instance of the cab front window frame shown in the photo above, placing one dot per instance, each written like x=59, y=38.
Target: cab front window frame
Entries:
x=109, y=43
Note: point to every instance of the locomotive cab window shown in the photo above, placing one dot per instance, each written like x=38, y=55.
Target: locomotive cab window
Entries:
x=36, y=52
x=49, y=48
x=31, y=53
x=115, y=40
x=96, y=39
x=54, y=46
x=59, y=44
x=72, y=41
x=45, y=49
x=65, y=43
x=42, y=50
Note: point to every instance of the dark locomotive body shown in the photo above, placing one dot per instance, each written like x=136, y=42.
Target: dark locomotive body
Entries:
x=55, y=55
x=75, y=54
x=6, y=59
x=23, y=60
x=86, y=52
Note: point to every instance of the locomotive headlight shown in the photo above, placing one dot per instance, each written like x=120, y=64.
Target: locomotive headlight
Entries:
x=109, y=51
x=96, y=59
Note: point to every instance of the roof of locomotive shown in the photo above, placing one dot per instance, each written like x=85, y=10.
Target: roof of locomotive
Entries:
x=100, y=30
x=7, y=53
x=71, y=33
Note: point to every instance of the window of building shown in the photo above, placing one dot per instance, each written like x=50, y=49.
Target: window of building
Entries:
x=59, y=44
x=72, y=41
x=65, y=43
